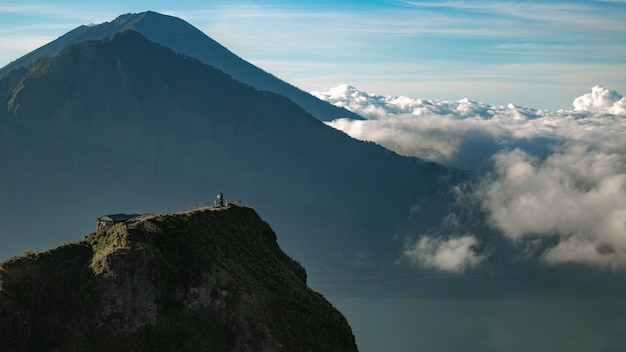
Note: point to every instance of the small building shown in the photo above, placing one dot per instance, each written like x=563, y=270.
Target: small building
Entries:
x=110, y=220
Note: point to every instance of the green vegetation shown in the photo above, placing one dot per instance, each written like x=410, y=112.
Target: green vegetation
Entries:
x=12, y=104
x=54, y=287
x=221, y=283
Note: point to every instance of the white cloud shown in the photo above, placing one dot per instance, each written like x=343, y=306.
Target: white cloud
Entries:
x=577, y=196
x=601, y=100
x=557, y=175
x=453, y=255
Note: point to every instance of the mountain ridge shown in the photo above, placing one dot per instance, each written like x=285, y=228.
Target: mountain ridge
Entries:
x=180, y=36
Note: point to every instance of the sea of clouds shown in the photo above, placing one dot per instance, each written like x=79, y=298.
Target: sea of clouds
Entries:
x=547, y=177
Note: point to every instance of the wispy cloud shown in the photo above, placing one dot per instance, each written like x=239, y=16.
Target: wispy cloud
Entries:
x=53, y=14
x=25, y=27
x=560, y=11
x=563, y=23
x=453, y=255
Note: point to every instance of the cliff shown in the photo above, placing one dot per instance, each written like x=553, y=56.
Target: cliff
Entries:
x=205, y=280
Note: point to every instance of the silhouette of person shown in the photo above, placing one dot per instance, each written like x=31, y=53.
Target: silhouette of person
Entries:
x=221, y=199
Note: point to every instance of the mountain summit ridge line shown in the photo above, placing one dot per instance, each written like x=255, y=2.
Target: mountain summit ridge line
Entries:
x=180, y=36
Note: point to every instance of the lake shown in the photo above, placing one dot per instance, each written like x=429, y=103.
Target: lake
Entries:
x=453, y=324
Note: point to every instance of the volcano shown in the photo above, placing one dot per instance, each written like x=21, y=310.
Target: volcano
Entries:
x=182, y=37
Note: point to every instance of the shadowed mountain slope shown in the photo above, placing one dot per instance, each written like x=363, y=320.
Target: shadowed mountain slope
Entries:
x=126, y=125
x=182, y=37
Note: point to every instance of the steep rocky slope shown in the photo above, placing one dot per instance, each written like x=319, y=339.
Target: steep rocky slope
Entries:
x=204, y=280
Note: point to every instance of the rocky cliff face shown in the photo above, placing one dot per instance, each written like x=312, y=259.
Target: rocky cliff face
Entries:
x=206, y=280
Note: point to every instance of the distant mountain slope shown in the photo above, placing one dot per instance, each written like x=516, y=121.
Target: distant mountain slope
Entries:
x=206, y=280
x=126, y=125
x=182, y=37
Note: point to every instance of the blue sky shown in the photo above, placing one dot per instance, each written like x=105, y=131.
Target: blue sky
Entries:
x=537, y=54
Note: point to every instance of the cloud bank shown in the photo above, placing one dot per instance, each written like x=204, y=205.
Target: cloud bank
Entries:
x=557, y=178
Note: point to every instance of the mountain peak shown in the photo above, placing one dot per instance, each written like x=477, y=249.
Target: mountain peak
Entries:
x=209, y=277
x=182, y=37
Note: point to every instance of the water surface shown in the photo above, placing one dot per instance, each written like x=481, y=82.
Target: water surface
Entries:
x=507, y=324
